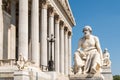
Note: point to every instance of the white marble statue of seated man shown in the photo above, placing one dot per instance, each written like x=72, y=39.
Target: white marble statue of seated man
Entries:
x=21, y=62
x=106, y=58
x=88, y=56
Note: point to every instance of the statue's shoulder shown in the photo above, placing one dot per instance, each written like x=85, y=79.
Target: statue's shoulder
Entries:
x=95, y=37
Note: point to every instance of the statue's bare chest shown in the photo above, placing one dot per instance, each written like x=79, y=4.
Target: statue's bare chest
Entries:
x=88, y=43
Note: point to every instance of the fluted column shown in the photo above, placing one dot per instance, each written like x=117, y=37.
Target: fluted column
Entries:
x=23, y=28
x=51, y=30
x=43, y=38
x=69, y=52
x=62, y=48
x=35, y=32
x=1, y=31
x=66, y=52
x=57, y=48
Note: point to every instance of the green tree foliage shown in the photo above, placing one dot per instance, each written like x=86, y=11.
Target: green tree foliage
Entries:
x=116, y=77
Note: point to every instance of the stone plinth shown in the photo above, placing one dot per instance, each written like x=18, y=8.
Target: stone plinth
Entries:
x=30, y=73
x=57, y=76
x=106, y=72
x=86, y=77
x=6, y=72
x=21, y=75
x=52, y=74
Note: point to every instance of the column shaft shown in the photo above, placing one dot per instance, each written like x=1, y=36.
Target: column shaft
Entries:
x=62, y=49
x=1, y=31
x=23, y=28
x=66, y=53
x=51, y=31
x=43, y=38
x=35, y=31
x=57, y=48
x=69, y=54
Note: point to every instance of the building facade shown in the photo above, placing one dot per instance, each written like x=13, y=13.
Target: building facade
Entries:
x=27, y=28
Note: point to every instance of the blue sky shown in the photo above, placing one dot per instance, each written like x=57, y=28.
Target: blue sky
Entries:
x=104, y=18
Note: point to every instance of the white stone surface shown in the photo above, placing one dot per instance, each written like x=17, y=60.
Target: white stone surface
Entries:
x=43, y=39
x=11, y=42
x=96, y=76
x=35, y=32
x=1, y=31
x=23, y=28
x=51, y=32
x=22, y=46
x=21, y=75
x=57, y=76
x=62, y=49
x=57, y=46
x=66, y=53
x=107, y=73
x=69, y=54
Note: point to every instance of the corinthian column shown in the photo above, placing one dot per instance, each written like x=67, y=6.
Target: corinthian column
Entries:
x=62, y=48
x=66, y=52
x=51, y=30
x=69, y=52
x=1, y=31
x=23, y=28
x=43, y=31
x=57, y=50
x=35, y=32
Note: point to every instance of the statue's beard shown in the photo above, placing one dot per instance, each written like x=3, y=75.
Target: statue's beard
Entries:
x=87, y=35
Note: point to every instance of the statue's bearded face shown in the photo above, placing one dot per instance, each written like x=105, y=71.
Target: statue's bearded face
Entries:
x=86, y=32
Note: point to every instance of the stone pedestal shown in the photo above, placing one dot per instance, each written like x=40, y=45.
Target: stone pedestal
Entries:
x=107, y=73
x=6, y=72
x=97, y=76
x=52, y=74
x=57, y=76
x=21, y=75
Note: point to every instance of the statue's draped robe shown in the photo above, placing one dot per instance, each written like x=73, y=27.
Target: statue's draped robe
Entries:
x=92, y=57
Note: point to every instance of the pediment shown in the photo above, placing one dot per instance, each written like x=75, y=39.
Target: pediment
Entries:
x=65, y=4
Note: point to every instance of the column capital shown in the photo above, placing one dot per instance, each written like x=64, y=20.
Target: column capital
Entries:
x=66, y=30
x=69, y=33
x=51, y=11
x=57, y=19
x=44, y=4
x=62, y=25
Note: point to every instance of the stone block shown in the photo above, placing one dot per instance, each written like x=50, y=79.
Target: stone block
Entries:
x=86, y=77
x=21, y=75
x=107, y=73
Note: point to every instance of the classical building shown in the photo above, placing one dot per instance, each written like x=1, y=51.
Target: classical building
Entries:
x=38, y=30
